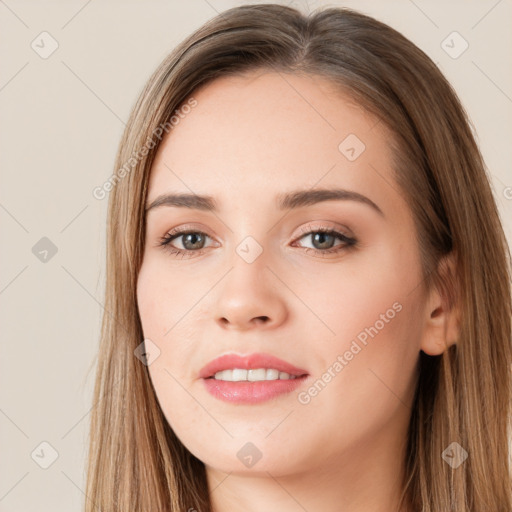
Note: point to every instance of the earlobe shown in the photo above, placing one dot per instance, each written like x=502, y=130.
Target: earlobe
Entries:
x=442, y=311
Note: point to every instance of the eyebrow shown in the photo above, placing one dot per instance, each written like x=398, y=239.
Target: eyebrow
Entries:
x=289, y=200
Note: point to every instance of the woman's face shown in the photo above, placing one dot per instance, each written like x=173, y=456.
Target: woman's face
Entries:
x=256, y=275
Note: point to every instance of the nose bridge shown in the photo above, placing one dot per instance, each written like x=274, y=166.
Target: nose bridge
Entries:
x=247, y=295
x=248, y=266
x=255, y=248
x=251, y=239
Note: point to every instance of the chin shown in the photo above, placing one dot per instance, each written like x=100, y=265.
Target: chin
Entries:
x=255, y=458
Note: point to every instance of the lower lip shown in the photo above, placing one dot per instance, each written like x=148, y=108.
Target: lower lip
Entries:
x=246, y=392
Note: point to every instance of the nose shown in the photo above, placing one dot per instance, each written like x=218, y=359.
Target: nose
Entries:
x=250, y=296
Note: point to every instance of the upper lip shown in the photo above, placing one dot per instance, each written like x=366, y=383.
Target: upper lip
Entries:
x=247, y=362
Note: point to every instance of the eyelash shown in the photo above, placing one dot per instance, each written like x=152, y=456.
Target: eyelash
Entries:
x=165, y=241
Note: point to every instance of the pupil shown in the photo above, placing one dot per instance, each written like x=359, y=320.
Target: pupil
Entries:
x=193, y=237
x=322, y=237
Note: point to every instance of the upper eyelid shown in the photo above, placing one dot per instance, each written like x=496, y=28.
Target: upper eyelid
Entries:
x=177, y=232
x=328, y=225
x=304, y=229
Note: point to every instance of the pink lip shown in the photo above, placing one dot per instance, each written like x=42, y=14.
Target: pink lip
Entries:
x=251, y=361
x=250, y=392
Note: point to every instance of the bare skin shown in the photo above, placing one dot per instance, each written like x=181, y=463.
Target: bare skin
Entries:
x=250, y=139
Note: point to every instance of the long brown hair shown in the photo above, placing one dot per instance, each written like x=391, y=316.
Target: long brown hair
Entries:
x=136, y=463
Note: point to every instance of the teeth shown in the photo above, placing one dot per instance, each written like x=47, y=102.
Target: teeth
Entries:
x=254, y=375
x=239, y=375
x=272, y=374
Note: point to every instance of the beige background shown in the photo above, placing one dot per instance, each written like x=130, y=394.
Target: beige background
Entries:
x=61, y=120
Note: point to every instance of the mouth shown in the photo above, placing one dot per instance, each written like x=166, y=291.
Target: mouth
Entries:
x=252, y=368
x=250, y=379
x=252, y=375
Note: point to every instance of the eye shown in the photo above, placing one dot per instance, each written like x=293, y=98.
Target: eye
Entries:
x=193, y=241
x=323, y=239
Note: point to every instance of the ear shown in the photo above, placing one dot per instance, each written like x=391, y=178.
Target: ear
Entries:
x=442, y=310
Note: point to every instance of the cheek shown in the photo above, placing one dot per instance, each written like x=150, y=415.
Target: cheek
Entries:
x=369, y=364
x=194, y=425
x=149, y=297
x=369, y=297
x=163, y=300
x=160, y=310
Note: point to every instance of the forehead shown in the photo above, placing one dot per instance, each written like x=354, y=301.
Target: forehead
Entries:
x=265, y=130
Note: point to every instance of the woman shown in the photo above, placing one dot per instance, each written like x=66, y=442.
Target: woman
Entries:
x=308, y=287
